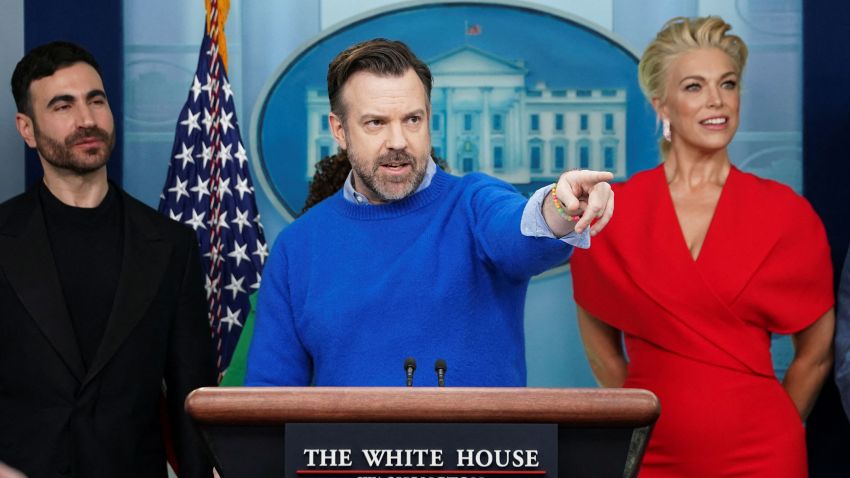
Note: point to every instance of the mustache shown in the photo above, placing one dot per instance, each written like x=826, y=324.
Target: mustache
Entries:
x=394, y=158
x=93, y=132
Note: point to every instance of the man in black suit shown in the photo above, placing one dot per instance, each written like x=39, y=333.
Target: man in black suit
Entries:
x=101, y=298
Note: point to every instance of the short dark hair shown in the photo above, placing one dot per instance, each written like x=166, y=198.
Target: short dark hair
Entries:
x=43, y=61
x=379, y=56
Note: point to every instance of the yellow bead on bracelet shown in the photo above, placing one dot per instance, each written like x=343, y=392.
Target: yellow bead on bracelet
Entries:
x=559, y=207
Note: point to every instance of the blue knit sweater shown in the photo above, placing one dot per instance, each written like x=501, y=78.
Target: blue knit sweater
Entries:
x=350, y=291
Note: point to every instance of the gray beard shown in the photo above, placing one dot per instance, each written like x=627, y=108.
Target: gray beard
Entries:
x=376, y=185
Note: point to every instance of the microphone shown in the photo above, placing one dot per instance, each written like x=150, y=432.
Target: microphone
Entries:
x=409, y=368
x=440, y=367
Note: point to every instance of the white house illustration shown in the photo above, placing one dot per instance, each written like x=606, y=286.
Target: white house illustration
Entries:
x=484, y=118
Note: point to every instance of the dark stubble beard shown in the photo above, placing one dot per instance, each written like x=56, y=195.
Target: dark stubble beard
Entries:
x=379, y=185
x=61, y=155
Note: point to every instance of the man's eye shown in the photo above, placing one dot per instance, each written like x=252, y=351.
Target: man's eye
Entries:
x=415, y=119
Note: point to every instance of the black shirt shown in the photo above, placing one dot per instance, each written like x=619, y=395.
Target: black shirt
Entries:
x=87, y=245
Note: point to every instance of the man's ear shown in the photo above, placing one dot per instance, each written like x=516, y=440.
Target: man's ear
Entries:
x=26, y=128
x=337, y=130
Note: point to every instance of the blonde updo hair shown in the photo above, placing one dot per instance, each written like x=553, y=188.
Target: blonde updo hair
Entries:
x=681, y=35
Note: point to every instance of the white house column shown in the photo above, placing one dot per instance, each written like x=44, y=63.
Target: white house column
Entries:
x=485, y=155
x=449, y=130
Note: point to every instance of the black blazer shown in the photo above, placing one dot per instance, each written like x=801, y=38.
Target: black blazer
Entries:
x=58, y=419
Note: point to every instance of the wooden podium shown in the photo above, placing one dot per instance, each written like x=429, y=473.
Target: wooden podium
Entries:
x=600, y=432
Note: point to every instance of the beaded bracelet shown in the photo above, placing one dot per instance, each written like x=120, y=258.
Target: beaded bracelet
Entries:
x=559, y=207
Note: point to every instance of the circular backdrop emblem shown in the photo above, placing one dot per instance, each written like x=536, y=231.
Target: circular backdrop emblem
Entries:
x=520, y=93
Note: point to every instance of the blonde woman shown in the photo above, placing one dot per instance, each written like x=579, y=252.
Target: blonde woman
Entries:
x=705, y=262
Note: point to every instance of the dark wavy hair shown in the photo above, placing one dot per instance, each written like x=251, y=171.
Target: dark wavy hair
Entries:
x=330, y=175
x=43, y=61
x=381, y=57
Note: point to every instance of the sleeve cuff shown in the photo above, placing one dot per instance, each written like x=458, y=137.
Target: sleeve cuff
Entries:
x=534, y=225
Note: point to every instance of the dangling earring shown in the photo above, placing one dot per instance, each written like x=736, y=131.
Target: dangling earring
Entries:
x=665, y=130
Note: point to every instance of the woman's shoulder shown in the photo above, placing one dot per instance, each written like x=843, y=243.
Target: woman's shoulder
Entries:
x=769, y=194
x=774, y=204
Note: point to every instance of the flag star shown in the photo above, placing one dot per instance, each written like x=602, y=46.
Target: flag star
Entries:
x=256, y=285
x=257, y=221
x=211, y=286
x=235, y=285
x=228, y=92
x=262, y=251
x=224, y=188
x=242, y=220
x=196, y=88
x=179, y=188
x=208, y=120
x=221, y=221
x=224, y=155
x=191, y=121
x=238, y=254
x=186, y=154
x=224, y=122
x=209, y=86
x=201, y=188
x=197, y=220
x=206, y=153
x=175, y=216
x=241, y=154
x=242, y=187
x=231, y=319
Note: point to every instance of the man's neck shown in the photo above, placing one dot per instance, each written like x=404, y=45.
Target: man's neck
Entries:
x=87, y=190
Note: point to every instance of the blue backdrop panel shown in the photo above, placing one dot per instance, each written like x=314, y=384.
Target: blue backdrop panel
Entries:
x=97, y=25
x=826, y=67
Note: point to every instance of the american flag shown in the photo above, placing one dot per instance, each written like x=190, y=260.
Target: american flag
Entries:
x=209, y=188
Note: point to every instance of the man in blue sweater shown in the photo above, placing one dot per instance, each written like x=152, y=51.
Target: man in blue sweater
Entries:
x=407, y=260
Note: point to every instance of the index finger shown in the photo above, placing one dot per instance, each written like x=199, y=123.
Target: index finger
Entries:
x=584, y=180
x=600, y=176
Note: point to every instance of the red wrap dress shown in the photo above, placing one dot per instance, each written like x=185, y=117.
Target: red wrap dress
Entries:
x=697, y=332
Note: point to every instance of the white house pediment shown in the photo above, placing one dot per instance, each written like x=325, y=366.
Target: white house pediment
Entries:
x=470, y=60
